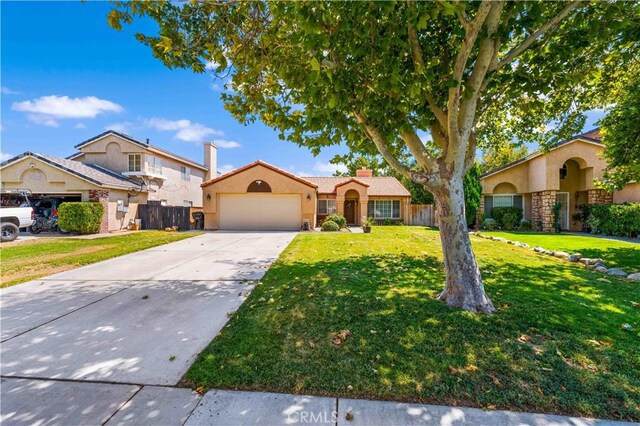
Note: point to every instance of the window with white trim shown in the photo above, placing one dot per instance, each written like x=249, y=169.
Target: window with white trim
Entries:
x=384, y=209
x=502, y=200
x=185, y=173
x=154, y=165
x=326, y=207
x=135, y=162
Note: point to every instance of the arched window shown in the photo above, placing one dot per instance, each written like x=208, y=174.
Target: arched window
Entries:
x=259, y=186
x=563, y=171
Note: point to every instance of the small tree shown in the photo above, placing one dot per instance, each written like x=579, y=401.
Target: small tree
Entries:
x=371, y=75
x=498, y=155
x=84, y=217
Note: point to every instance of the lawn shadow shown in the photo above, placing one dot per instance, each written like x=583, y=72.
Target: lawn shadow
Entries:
x=555, y=344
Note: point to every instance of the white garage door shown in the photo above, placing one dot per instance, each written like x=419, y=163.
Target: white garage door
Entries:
x=260, y=211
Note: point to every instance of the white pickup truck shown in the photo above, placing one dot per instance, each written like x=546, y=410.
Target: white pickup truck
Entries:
x=15, y=213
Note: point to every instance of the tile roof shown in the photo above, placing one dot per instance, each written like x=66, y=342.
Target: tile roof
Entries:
x=259, y=163
x=139, y=143
x=91, y=172
x=593, y=136
x=381, y=186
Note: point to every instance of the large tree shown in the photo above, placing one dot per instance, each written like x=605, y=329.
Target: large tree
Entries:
x=372, y=74
x=499, y=155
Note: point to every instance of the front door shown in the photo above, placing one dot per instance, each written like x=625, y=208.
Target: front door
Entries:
x=563, y=199
x=350, y=211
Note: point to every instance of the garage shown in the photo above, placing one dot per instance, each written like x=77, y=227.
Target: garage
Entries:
x=259, y=197
x=268, y=211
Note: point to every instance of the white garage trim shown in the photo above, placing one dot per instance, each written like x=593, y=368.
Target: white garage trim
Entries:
x=255, y=211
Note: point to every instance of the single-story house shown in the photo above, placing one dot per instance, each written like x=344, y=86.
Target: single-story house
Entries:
x=115, y=169
x=265, y=197
x=564, y=174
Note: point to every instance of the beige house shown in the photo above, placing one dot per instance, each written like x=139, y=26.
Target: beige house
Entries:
x=262, y=196
x=116, y=170
x=565, y=174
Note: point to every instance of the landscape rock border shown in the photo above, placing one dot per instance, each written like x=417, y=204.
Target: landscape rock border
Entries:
x=597, y=265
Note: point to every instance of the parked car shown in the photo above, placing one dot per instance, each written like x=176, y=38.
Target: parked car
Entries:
x=15, y=213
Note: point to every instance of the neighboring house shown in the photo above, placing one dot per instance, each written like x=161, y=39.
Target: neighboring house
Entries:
x=264, y=197
x=565, y=174
x=116, y=170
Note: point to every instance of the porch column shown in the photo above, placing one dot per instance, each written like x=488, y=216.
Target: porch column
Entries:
x=547, y=200
x=480, y=212
x=101, y=196
x=363, y=203
x=340, y=204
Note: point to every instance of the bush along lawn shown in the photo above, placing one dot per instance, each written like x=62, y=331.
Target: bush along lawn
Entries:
x=354, y=315
x=618, y=254
x=38, y=258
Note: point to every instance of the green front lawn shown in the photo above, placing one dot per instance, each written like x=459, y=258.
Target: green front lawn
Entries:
x=45, y=256
x=619, y=254
x=555, y=345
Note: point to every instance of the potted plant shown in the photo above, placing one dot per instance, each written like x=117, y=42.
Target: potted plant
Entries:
x=367, y=223
x=555, y=210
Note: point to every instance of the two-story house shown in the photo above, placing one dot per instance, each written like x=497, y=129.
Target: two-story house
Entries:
x=117, y=170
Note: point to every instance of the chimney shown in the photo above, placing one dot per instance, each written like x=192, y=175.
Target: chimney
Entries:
x=211, y=160
x=364, y=172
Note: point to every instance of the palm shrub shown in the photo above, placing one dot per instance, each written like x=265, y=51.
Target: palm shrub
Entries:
x=81, y=217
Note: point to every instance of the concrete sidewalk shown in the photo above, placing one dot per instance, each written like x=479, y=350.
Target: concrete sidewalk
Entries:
x=75, y=403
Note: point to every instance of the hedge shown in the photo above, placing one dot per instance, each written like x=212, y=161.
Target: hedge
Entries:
x=330, y=226
x=84, y=218
x=507, y=218
x=338, y=219
x=620, y=220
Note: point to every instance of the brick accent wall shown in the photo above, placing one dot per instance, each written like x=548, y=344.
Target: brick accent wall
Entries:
x=101, y=196
x=599, y=196
x=541, y=210
x=479, y=213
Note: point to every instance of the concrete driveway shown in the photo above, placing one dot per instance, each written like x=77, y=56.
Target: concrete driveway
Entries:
x=123, y=324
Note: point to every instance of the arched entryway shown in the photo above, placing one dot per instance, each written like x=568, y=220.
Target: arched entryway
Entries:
x=351, y=206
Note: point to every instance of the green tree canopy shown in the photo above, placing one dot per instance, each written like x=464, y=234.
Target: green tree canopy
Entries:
x=371, y=75
x=499, y=155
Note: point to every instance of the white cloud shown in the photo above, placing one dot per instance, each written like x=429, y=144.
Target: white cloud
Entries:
x=328, y=168
x=43, y=120
x=223, y=143
x=6, y=91
x=122, y=127
x=4, y=156
x=186, y=130
x=225, y=168
x=80, y=126
x=66, y=107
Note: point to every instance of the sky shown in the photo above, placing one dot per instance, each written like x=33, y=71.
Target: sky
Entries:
x=66, y=76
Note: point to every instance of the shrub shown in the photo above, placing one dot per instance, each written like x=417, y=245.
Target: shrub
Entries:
x=338, y=219
x=489, y=225
x=330, y=226
x=555, y=212
x=507, y=218
x=83, y=217
x=525, y=225
x=621, y=220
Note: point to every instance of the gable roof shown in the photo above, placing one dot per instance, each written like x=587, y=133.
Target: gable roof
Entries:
x=378, y=186
x=259, y=163
x=592, y=136
x=145, y=145
x=354, y=180
x=91, y=173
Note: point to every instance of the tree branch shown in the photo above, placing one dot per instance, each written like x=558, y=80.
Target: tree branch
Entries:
x=418, y=60
x=419, y=151
x=548, y=26
x=381, y=144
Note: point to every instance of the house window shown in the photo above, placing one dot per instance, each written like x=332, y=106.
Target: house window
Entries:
x=326, y=207
x=563, y=171
x=135, y=162
x=154, y=165
x=185, y=173
x=502, y=200
x=384, y=209
x=187, y=203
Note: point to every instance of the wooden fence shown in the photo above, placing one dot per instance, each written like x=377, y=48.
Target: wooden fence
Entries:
x=156, y=216
x=422, y=215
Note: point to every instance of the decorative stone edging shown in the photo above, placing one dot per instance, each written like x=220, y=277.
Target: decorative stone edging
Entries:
x=597, y=265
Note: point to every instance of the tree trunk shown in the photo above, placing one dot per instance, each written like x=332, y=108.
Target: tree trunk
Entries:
x=463, y=288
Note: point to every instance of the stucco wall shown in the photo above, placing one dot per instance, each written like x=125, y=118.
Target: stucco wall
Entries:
x=238, y=184
x=629, y=194
x=112, y=152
